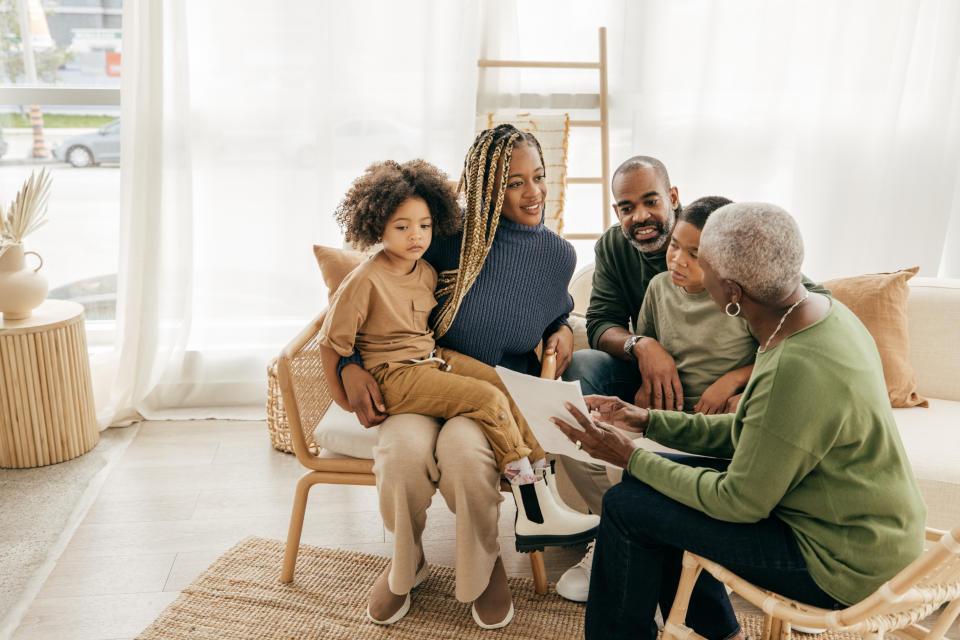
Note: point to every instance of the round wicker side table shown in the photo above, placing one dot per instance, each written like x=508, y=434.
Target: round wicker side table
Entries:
x=46, y=396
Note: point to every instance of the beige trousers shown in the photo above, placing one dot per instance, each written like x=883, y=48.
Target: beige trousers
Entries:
x=591, y=481
x=414, y=457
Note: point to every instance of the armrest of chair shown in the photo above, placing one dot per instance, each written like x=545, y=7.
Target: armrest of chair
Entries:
x=303, y=387
x=548, y=367
x=934, y=535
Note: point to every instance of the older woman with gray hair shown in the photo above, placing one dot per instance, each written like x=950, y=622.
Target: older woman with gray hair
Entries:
x=807, y=491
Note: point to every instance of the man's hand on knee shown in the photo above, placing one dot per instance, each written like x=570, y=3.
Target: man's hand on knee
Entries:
x=660, y=387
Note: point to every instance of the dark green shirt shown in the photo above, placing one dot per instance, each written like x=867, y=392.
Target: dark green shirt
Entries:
x=813, y=443
x=620, y=278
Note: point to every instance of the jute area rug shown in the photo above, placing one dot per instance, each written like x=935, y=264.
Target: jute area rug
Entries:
x=240, y=597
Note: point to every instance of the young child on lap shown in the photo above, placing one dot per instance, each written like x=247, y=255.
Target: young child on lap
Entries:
x=382, y=309
x=713, y=351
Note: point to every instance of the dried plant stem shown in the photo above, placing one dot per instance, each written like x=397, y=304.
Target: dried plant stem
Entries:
x=27, y=212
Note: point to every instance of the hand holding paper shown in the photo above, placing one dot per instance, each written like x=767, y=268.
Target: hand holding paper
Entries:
x=540, y=400
x=610, y=445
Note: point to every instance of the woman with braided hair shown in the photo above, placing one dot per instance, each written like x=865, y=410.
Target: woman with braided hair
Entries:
x=502, y=291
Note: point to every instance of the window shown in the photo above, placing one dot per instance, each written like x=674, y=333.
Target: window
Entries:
x=60, y=65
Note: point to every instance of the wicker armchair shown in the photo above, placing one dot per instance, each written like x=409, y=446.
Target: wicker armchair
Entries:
x=921, y=588
x=306, y=399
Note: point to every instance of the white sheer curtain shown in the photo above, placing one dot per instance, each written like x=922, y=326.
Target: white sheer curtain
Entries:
x=845, y=113
x=245, y=121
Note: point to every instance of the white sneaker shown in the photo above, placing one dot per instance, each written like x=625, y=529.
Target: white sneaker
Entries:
x=542, y=522
x=574, y=584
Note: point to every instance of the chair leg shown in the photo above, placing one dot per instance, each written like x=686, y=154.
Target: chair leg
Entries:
x=944, y=620
x=768, y=627
x=296, y=526
x=674, y=626
x=785, y=630
x=539, y=573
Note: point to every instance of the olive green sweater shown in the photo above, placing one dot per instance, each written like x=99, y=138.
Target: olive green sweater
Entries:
x=813, y=443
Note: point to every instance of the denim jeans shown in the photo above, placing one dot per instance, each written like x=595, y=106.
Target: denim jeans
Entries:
x=637, y=562
x=601, y=373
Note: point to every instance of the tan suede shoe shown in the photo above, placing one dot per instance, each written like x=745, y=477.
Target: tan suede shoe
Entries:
x=494, y=608
x=385, y=607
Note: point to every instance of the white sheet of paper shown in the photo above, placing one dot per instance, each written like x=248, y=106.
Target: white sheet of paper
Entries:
x=539, y=400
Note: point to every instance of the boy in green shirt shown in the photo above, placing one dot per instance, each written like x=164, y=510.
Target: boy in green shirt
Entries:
x=714, y=351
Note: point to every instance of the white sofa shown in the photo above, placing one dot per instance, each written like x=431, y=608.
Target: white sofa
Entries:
x=931, y=436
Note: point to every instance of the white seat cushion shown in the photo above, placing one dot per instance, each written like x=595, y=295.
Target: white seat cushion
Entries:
x=931, y=438
x=933, y=313
x=341, y=432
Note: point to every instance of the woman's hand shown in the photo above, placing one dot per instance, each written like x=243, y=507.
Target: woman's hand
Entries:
x=603, y=442
x=615, y=412
x=561, y=343
x=363, y=394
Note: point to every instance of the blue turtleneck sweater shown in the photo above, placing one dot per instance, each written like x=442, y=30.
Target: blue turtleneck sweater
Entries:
x=519, y=298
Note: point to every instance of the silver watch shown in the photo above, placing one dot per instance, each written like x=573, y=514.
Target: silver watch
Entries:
x=629, y=344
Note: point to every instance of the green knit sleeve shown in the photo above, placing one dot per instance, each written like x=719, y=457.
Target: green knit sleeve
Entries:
x=763, y=468
x=698, y=433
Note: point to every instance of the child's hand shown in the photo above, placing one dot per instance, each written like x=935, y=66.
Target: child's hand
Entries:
x=733, y=403
x=714, y=399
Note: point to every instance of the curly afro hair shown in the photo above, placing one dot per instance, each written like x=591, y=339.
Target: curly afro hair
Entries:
x=383, y=187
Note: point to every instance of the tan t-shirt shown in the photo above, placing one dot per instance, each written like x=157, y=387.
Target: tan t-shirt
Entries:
x=382, y=314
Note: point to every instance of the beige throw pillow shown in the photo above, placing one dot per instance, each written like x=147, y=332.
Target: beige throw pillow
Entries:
x=335, y=264
x=880, y=301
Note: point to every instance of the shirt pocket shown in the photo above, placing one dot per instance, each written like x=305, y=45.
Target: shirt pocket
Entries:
x=422, y=306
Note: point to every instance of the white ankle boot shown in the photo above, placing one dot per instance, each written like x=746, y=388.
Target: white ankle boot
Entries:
x=542, y=521
x=551, y=479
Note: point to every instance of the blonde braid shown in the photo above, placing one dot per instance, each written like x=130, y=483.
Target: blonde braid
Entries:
x=479, y=225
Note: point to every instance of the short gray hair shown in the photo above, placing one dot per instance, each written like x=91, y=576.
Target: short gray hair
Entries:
x=643, y=162
x=756, y=244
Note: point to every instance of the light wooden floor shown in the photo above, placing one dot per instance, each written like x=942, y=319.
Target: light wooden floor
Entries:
x=185, y=492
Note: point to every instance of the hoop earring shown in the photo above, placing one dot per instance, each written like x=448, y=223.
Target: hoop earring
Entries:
x=735, y=313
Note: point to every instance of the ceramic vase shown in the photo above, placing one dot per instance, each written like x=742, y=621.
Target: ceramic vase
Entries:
x=22, y=289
